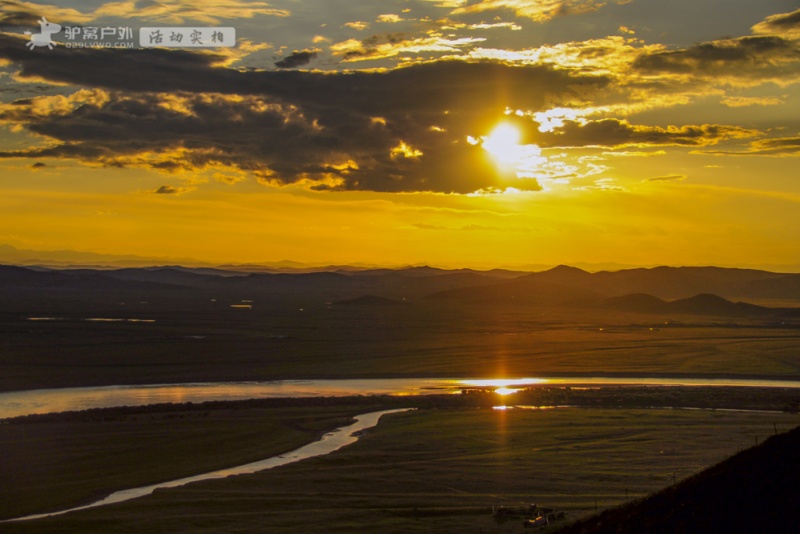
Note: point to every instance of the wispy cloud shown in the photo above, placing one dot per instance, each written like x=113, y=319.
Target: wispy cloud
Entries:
x=742, y=62
x=620, y=134
x=357, y=25
x=745, y=101
x=392, y=129
x=175, y=12
x=536, y=10
x=776, y=146
x=389, y=45
x=784, y=24
x=667, y=178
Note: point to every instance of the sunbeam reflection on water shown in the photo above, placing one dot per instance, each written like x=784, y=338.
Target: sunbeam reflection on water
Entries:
x=18, y=403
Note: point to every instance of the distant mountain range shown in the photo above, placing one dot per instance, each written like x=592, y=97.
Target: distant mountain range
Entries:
x=564, y=284
x=74, y=259
x=673, y=290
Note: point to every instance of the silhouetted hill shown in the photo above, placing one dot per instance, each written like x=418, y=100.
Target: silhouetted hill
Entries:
x=684, y=282
x=398, y=285
x=368, y=300
x=703, y=304
x=11, y=276
x=635, y=302
x=523, y=290
x=756, y=490
x=678, y=282
x=335, y=286
x=562, y=275
x=782, y=287
x=706, y=304
x=671, y=283
x=164, y=275
x=18, y=279
x=689, y=290
x=426, y=271
x=565, y=272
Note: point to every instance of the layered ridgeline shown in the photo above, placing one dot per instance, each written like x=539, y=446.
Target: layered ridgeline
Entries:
x=756, y=490
x=661, y=290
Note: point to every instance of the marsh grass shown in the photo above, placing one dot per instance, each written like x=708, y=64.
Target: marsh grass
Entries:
x=55, y=464
x=443, y=470
x=423, y=339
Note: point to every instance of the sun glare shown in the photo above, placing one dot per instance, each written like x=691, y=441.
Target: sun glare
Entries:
x=504, y=382
x=503, y=144
x=505, y=391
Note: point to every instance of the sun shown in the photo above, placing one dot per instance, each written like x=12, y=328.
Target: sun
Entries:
x=503, y=144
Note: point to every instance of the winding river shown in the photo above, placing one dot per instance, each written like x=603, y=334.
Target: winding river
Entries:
x=18, y=403
x=332, y=441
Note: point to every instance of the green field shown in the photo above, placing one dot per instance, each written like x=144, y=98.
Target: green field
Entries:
x=424, y=471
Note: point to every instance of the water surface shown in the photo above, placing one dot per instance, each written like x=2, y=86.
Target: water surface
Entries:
x=17, y=403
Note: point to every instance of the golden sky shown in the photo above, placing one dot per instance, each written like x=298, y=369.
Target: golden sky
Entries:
x=457, y=133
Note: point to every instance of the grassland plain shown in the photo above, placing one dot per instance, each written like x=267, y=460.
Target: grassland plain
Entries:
x=291, y=340
x=432, y=471
x=54, y=463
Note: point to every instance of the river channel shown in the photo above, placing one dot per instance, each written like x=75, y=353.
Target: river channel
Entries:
x=330, y=442
x=18, y=403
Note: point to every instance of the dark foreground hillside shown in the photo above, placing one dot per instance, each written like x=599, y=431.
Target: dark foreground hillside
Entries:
x=757, y=490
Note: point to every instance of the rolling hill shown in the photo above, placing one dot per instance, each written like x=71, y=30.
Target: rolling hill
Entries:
x=707, y=291
x=753, y=491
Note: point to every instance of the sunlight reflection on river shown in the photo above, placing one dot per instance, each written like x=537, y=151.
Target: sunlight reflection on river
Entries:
x=17, y=403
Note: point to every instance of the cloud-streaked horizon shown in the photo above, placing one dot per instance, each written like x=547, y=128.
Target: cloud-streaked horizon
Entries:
x=613, y=99
x=338, y=130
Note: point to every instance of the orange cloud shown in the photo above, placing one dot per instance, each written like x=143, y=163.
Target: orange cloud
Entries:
x=175, y=12
x=537, y=10
x=783, y=24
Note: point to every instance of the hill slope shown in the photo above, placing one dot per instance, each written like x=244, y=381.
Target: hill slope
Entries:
x=756, y=490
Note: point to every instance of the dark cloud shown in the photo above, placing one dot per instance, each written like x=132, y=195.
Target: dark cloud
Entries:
x=170, y=190
x=537, y=10
x=756, y=57
x=369, y=46
x=615, y=133
x=16, y=20
x=779, y=143
x=785, y=24
x=152, y=69
x=297, y=59
x=175, y=110
x=785, y=21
